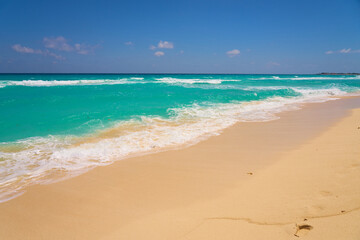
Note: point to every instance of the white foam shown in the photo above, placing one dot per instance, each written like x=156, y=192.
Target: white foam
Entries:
x=43, y=83
x=131, y=80
x=331, y=77
x=323, y=78
x=306, y=92
x=171, y=80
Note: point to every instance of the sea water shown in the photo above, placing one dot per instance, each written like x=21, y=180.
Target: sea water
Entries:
x=56, y=125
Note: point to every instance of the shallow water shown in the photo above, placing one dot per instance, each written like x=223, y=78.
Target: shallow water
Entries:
x=54, y=125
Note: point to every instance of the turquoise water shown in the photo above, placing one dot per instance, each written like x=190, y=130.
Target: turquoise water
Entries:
x=67, y=123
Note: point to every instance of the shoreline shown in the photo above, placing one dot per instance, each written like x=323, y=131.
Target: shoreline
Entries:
x=103, y=148
x=124, y=198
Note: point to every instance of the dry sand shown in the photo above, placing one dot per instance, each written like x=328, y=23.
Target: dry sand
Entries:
x=299, y=175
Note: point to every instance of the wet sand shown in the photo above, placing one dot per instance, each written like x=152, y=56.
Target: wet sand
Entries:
x=299, y=175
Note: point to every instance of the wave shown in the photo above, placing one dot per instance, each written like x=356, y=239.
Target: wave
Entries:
x=357, y=77
x=45, y=83
x=132, y=80
x=42, y=159
x=171, y=80
x=333, y=89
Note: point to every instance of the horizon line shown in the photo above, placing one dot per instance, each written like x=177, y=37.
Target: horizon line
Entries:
x=319, y=73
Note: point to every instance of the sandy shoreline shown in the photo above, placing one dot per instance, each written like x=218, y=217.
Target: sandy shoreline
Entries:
x=254, y=181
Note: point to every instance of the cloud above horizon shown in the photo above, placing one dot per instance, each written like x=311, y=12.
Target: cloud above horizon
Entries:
x=22, y=49
x=162, y=45
x=58, y=44
x=165, y=44
x=159, y=53
x=61, y=44
x=343, y=51
x=28, y=50
x=233, y=53
x=129, y=43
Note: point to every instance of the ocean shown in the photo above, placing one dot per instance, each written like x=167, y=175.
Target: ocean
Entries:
x=53, y=126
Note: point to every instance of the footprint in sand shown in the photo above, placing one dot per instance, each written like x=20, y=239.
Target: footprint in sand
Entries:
x=302, y=229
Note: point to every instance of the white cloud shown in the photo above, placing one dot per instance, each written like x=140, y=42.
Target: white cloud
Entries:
x=165, y=44
x=345, y=50
x=22, y=49
x=233, y=53
x=129, y=43
x=159, y=53
x=181, y=52
x=58, y=43
x=59, y=57
x=61, y=44
x=162, y=44
x=83, y=48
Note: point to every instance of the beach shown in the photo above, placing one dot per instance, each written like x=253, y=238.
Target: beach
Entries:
x=295, y=177
x=180, y=120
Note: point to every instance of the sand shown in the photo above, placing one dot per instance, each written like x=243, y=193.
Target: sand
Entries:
x=296, y=177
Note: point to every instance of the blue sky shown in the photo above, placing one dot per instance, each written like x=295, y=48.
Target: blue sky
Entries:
x=198, y=36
